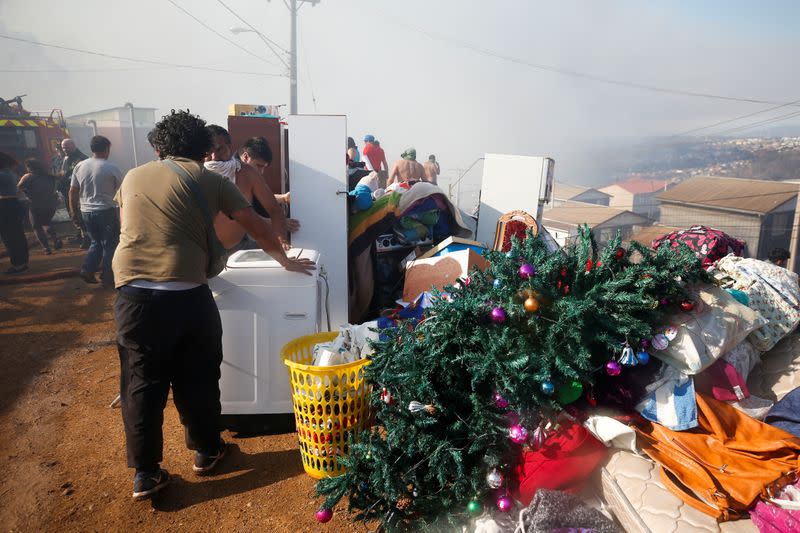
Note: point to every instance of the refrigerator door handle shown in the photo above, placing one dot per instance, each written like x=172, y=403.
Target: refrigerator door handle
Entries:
x=295, y=316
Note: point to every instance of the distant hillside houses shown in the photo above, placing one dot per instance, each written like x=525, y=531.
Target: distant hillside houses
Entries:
x=637, y=195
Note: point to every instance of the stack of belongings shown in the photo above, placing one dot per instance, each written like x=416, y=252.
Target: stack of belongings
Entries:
x=707, y=445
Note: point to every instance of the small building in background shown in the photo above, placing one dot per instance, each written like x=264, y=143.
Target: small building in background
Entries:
x=759, y=212
x=637, y=195
x=562, y=222
x=126, y=127
x=648, y=234
x=564, y=192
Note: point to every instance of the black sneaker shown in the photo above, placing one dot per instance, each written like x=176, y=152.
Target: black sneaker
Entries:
x=88, y=277
x=205, y=463
x=17, y=269
x=148, y=483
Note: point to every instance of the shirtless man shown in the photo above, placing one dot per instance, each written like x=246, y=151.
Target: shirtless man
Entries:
x=432, y=169
x=407, y=169
x=250, y=183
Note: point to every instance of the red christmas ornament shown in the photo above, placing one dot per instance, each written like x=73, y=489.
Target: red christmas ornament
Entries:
x=588, y=265
x=558, y=284
x=687, y=305
x=620, y=253
x=566, y=289
x=386, y=396
x=599, y=264
x=563, y=272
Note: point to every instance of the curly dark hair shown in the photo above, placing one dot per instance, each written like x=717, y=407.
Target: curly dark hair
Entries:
x=258, y=148
x=181, y=134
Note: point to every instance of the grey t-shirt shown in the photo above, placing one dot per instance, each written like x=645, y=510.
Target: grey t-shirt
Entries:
x=99, y=181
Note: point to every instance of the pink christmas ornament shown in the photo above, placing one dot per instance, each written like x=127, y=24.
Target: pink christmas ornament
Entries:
x=324, y=515
x=499, y=401
x=504, y=504
x=517, y=434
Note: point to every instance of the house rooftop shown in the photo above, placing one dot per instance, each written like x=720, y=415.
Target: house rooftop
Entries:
x=640, y=186
x=566, y=191
x=752, y=196
x=573, y=214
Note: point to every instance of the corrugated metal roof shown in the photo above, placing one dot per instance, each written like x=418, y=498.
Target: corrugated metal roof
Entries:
x=566, y=191
x=754, y=196
x=576, y=213
x=640, y=186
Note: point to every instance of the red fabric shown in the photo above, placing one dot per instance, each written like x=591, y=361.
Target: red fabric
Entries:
x=564, y=462
x=709, y=244
x=376, y=155
x=513, y=228
x=720, y=381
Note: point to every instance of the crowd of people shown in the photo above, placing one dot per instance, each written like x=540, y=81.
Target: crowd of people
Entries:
x=405, y=172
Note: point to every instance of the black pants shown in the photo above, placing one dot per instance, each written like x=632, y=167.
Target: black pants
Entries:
x=168, y=338
x=12, y=232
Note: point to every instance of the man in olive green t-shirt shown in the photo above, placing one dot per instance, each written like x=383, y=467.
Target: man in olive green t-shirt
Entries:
x=168, y=326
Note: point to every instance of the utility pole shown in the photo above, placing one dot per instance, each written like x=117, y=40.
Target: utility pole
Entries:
x=293, y=60
x=293, y=6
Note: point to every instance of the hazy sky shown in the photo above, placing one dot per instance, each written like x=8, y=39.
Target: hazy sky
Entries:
x=409, y=71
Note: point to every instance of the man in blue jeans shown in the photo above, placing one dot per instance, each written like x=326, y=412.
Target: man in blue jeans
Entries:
x=95, y=182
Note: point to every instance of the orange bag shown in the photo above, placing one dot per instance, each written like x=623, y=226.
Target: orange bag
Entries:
x=726, y=463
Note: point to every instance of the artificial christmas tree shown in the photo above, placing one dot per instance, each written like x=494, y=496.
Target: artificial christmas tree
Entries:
x=462, y=393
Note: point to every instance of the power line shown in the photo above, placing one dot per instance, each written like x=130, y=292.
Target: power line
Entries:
x=220, y=35
x=266, y=39
x=308, y=69
x=136, y=60
x=736, y=119
x=583, y=75
x=779, y=118
x=73, y=71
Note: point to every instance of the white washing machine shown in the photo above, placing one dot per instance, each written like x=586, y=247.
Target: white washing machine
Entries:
x=262, y=307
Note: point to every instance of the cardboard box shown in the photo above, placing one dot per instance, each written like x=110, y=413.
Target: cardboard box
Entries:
x=453, y=244
x=422, y=275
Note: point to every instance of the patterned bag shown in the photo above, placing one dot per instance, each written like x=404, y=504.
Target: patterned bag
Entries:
x=773, y=292
x=709, y=244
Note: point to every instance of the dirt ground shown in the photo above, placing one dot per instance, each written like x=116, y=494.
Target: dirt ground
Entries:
x=62, y=449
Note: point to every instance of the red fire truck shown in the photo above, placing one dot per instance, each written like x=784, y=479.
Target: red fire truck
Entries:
x=25, y=134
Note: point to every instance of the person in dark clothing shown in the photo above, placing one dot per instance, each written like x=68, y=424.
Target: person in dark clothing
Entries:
x=72, y=158
x=12, y=213
x=779, y=256
x=39, y=187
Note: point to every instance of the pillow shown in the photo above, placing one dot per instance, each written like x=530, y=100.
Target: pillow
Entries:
x=713, y=328
x=772, y=291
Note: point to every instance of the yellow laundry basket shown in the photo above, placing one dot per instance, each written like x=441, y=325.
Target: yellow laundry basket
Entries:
x=331, y=405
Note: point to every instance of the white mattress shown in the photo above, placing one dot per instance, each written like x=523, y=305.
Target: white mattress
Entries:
x=630, y=484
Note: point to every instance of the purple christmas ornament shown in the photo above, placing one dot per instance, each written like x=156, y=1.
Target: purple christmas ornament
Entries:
x=613, y=368
x=526, y=270
x=498, y=315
